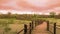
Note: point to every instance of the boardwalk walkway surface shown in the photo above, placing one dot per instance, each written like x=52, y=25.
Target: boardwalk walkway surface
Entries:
x=41, y=29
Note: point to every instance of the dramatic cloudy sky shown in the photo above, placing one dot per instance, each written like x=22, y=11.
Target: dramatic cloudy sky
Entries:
x=30, y=6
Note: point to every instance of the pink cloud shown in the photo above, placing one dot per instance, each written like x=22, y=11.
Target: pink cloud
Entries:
x=35, y=5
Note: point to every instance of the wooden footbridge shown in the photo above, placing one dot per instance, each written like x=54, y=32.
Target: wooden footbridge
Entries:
x=37, y=27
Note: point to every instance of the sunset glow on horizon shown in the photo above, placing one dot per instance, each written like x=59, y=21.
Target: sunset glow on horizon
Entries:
x=30, y=6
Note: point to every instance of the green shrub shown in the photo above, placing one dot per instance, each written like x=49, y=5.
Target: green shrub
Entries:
x=3, y=22
x=10, y=21
x=6, y=29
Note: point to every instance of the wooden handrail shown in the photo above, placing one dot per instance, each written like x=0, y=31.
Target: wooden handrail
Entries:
x=20, y=31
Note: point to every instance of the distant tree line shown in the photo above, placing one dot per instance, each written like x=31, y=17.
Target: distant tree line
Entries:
x=28, y=16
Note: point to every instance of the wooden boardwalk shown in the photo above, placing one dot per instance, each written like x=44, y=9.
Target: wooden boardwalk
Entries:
x=41, y=29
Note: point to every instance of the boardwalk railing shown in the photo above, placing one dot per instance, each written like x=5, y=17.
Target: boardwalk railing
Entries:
x=28, y=28
x=53, y=28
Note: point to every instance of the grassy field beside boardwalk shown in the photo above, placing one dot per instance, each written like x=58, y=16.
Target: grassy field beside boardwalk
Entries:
x=12, y=26
x=52, y=20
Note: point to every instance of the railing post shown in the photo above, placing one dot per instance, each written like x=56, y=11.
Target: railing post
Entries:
x=54, y=28
x=35, y=23
x=32, y=24
x=38, y=22
x=41, y=21
x=47, y=25
x=30, y=28
x=25, y=29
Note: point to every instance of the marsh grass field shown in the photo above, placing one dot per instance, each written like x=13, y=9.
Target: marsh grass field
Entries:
x=52, y=20
x=12, y=26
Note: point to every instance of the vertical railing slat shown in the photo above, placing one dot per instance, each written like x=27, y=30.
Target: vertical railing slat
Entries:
x=47, y=25
x=54, y=28
x=30, y=28
x=25, y=29
x=32, y=25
